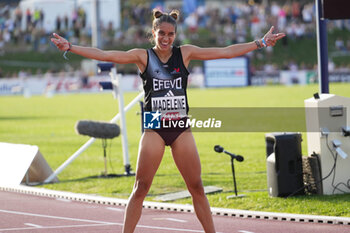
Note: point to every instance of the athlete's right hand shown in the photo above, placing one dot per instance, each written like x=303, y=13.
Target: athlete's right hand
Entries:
x=61, y=43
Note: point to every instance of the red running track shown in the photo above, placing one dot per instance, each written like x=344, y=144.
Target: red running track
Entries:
x=21, y=213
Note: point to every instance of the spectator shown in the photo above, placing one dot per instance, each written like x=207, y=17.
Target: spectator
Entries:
x=331, y=65
x=255, y=26
x=307, y=13
x=18, y=17
x=36, y=18
x=58, y=23
x=191, y=23
x=74, y=17
x=66, y=22
x=282, y=19
x=202, y=18
x=28, y=19
x=228, y=33
x=241, y=30
x=36, y=34
x=339, y=44
x=275, y=10
x=82, y=17
x=295, y=9
x=110, y=34
x=42, y=17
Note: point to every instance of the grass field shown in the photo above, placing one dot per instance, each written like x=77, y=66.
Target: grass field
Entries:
x=49, y=123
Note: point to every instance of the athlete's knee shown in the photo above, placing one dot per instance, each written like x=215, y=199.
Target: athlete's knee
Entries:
x=196, y=188
x=141, y=188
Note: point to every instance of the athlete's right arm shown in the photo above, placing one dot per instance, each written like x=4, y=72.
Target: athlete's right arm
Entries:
x=120, y=57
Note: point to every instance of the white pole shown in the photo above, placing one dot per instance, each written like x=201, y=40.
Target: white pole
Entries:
x=90, y=141
x=96, y=32
x=116, y=81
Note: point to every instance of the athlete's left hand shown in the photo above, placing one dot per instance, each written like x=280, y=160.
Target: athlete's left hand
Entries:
x=271, y=38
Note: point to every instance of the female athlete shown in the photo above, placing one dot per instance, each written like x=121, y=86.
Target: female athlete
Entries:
x=163, y=70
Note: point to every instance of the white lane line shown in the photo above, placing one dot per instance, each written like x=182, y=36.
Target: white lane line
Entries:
x=99, y=223
x=33, y=225
x=245, y=231
x=54, y=217
x=168, y=229
x=170, y=219
x=58, y=227
x=63, y=200
x=115, y=209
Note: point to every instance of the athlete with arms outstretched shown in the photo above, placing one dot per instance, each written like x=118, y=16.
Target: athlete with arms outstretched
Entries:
x=163, y=68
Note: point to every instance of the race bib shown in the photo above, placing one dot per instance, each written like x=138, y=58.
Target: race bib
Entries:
x=170, y=103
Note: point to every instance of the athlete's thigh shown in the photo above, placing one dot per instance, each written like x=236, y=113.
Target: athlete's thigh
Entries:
x=186, y=156
x=151, y=150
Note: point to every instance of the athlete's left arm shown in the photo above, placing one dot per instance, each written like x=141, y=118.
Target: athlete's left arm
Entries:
x=192, y=52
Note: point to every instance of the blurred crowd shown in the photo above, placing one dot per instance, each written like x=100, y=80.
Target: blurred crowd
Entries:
x=209, y=24
x=227, y=25
x=32, y=33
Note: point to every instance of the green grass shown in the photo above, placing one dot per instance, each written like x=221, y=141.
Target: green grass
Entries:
x=49, y=123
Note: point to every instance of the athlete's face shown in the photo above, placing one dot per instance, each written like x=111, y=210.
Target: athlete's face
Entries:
x=164, y=36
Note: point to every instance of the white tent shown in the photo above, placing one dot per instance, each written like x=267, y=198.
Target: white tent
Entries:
x=109, y=11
